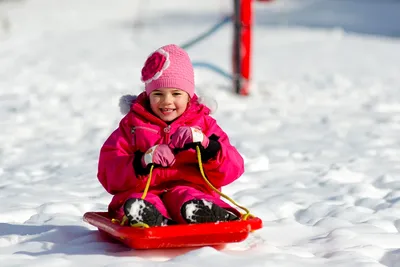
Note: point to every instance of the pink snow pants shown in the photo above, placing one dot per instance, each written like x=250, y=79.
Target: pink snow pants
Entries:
x=170, y=202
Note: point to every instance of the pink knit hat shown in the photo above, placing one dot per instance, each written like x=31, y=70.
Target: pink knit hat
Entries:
x=168, y=66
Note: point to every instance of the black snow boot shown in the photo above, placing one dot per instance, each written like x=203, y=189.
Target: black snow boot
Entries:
x=203, y=211
x=141, y=211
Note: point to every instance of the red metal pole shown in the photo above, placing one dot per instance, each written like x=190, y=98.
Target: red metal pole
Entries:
x=242, y=46
x=246, y=14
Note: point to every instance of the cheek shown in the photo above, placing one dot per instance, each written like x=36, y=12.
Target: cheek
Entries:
x=153, y=105
x=183, y=105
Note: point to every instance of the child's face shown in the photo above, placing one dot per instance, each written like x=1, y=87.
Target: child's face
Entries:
x=168, y=103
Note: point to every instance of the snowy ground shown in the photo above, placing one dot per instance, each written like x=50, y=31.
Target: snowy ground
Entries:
x=319, y=131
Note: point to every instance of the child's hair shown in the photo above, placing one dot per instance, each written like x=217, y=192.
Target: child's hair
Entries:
x=168, y=67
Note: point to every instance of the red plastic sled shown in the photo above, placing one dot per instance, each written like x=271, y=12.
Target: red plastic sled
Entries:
x=175, y=236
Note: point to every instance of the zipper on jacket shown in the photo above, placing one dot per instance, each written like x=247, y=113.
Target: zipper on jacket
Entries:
x=167, y=130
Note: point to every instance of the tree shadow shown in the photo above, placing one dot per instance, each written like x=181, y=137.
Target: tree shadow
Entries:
x=175, y=19
x=391, y=258
x=370, y=17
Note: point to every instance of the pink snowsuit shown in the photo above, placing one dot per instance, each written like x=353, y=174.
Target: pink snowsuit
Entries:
x=170, y=187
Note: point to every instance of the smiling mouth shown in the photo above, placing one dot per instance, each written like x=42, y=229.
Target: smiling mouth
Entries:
x=167, y=111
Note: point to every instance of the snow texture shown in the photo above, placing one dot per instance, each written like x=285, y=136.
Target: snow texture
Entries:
x=319, y=132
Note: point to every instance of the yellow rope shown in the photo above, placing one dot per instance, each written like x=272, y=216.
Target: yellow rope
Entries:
x=244, y=216
x=146, y=189
x=140, y=224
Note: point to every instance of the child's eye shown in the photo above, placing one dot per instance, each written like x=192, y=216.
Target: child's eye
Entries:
x=177, y=93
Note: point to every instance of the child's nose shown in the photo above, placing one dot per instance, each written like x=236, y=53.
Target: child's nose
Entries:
x=168, y=99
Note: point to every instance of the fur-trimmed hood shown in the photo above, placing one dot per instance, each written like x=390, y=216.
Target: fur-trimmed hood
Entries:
x=126, y=101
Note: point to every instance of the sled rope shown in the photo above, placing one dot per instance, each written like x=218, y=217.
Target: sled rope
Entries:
x=146, y=189
x=244, y=216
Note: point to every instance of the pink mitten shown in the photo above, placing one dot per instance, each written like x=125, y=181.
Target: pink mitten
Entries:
x=160, y=155
x=186, y=135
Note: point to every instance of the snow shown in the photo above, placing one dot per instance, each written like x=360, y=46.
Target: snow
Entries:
x=319, y=132
x=192, y=208
x=136, y=210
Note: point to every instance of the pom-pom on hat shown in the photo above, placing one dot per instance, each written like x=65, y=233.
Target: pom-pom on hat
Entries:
x=168, y=66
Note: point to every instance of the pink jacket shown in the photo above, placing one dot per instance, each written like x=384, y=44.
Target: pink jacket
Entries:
x=139, y=130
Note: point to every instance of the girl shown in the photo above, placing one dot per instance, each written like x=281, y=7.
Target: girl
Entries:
x=162, y=129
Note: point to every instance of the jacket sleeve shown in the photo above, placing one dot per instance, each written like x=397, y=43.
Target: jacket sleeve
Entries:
x=117, y=155
x=227, y=165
